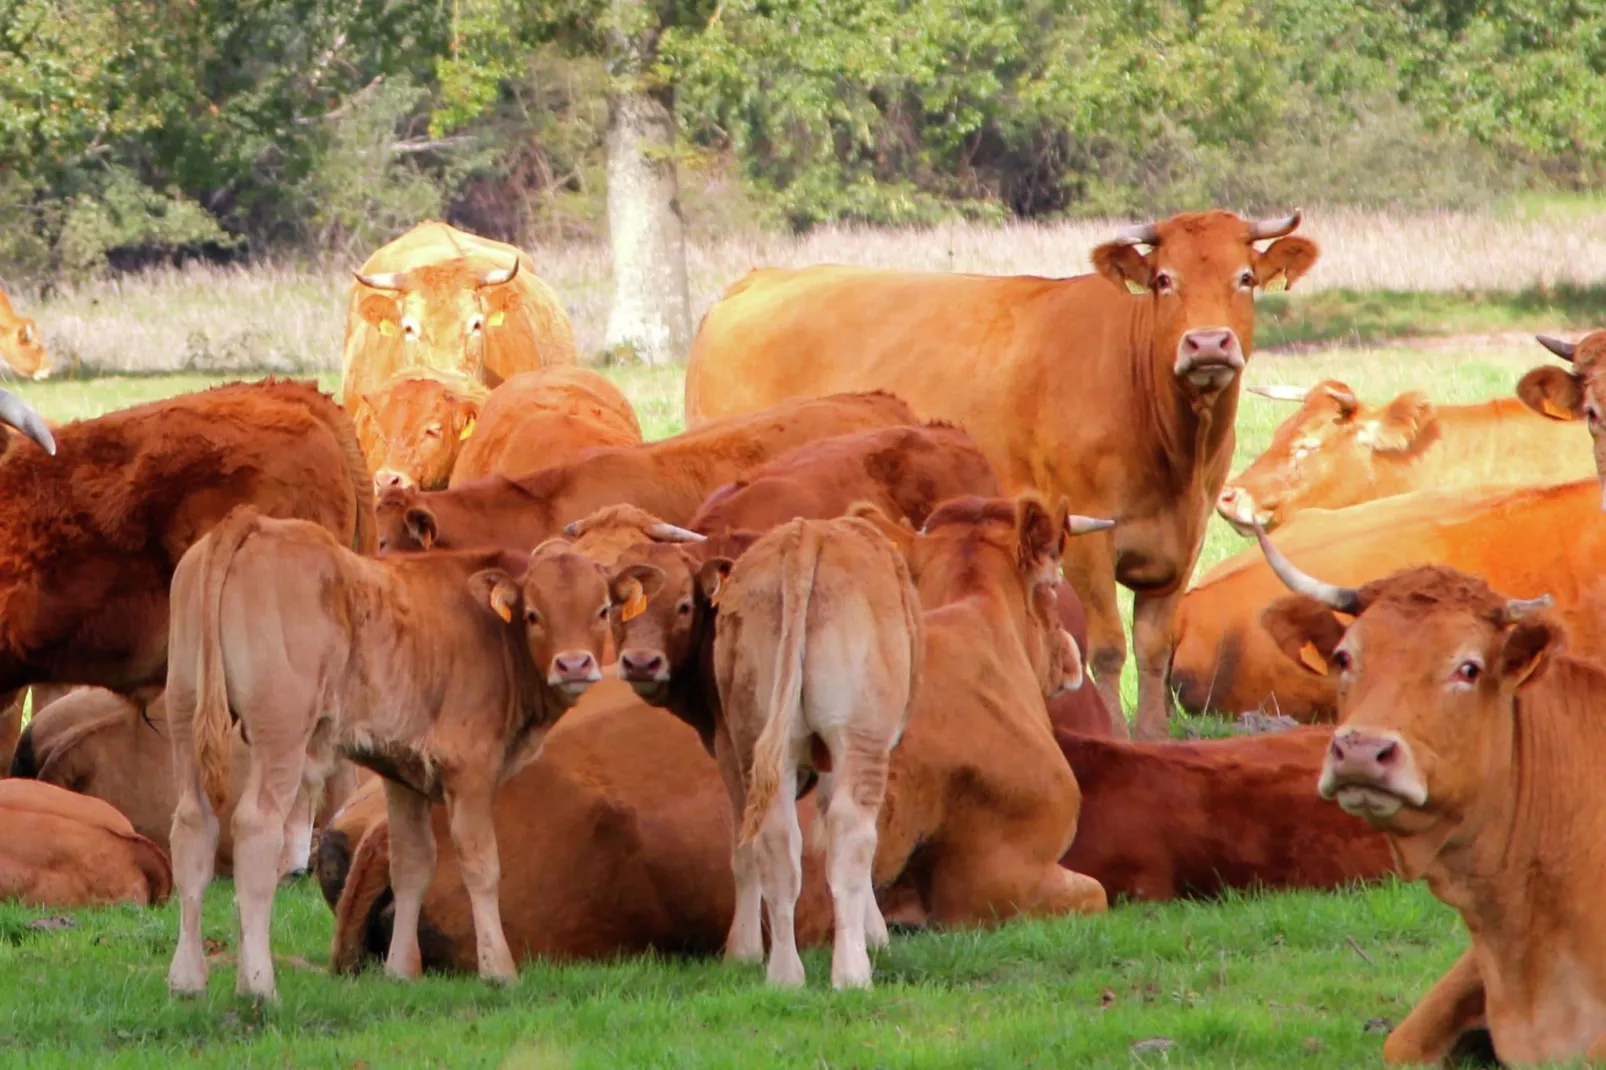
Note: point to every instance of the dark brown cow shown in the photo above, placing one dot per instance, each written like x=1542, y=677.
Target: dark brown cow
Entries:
x=441, y=672
x=1123, y=404
x=669, y=478
x=59, y=849
x=903, y=471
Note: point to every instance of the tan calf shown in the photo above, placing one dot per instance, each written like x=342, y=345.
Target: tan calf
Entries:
x=412, y=427
x=542, y=418
x=59, y=849
x=441, y=672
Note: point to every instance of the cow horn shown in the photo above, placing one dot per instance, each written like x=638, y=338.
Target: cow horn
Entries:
x=499, y=276
x=1142, y=234
x=572, y=528
x=663, y=532
x=1343, y=599
x=19, y=414
x=1564, y=350
x=1518, y=608
x=1086, y=525
x=1346, y=399
x=1278, y=392
x=390, y=280
x=1261, y=229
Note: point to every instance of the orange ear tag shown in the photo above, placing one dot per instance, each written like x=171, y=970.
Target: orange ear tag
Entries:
x=1312, y=659
x=387, y=328
x=636, y=605
x=1554, y=411
x=468, y=429
x=503, y=610
x=496, y=318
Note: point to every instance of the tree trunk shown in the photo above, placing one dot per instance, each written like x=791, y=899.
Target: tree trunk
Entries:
x=651, y=313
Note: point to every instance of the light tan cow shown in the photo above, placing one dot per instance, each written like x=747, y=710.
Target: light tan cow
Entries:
x=60, y=849
x=441, y=672
x=20, y=344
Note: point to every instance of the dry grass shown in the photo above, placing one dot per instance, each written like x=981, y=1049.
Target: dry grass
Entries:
x=281, y=318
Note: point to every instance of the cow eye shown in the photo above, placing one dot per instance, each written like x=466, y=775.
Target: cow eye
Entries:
x=432, y=432
x=1468, y=672
x=409, y=327
x=475, y=324
x=1592, y=414
x=684, y=607
x=1164, y=283
x=602, y=614
x=1247, y=280
x=1341, y=660
x=532, y=617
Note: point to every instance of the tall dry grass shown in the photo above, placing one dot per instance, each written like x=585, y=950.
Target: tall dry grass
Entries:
x=280, y=318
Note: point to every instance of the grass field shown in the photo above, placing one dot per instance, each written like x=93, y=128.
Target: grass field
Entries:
x=1264, y=981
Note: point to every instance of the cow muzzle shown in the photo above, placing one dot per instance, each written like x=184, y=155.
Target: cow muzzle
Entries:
x=390, y=479
x=1209, y=358
x=42, y=374
x=643, y=667
x=1238, y=507
x=1371, y=774
x=573, y=672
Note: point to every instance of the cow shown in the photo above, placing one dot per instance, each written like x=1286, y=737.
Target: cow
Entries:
x=1076, y=708
x=20, y=344
x=87, y=556
x=412, y=427
x=1124, y=403
x=441, y=672
x=59, y=849
x=1225, y=661
x=98, y=743
x=1337, y=451
x=539, y=419
x=1573, y=395
x=669, y=478
x=440, y=298
x=1470, y=740
x=903, y=471
x=1193, y=819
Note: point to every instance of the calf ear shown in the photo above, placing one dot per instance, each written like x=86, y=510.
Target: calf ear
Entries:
x=1553, y=392
x=420, y=524
x=1123, y=265
x=1407, y=422
x=633, y=586
x=496, y=589
x=1304, y=630
x=381, y=311
x=1526, y=651
x=1285, y=261
x=711, y=578
x=465, y=418
x=1041, y=538
x=1073, y=660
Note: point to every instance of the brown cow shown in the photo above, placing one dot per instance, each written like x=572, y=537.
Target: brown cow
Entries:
x=441, y=298
x=1336, y=451
x=544, y=418
x=669, y=478
x=1578, y=394
x=1225, y=661
x=11, y=733
x=400, y=664
x=903, y=471
x=59, y=849
x=1124, y=404
x=1076, y=708
x=412, y=426
x=85, y=567
x=1182, y=819
x=20, y=344
x=1474, y=744
x=817, y=650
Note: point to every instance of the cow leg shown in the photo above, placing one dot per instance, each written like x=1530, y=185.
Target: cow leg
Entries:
x=745, y=942
x=412, y=867
x=259, y=821
x=780, y=864
x=298, y=831
x=193, y=841
x=861, y=784
x=1089, y=567
x=1452, y=1006
x=1154, y=635
x=469, y=814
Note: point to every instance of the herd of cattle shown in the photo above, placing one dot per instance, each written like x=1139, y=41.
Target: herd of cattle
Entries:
x=545, y=689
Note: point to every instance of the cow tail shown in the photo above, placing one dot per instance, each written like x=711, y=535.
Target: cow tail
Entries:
x=365, y=534
x=786, y=700
x=213, y=719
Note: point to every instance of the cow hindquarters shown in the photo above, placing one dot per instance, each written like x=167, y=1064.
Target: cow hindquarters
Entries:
x=412, y=865
x=1154, y=637
x=1452, y=1006
x=468, y=812
x=1089, y=567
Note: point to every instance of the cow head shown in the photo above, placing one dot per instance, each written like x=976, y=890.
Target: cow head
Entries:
x=561, y=605
x=1325, y=454
x=405, y=522
x=1577, y=394
x=663, y=607
x=24, y=350
x=440, y=313
x=606, y=534
x=1427, y=675
x=415, y=426
x=1200, y=275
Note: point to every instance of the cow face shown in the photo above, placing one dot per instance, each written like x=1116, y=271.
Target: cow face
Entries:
x=440, y=314
x=24, y=350
x=1200, y=276
x=1427, y=676
x=404, y=522
x=1325, y=455
x=414, y=428
x=1573, y=395
x=561, y=605
x=606, y=534
x=663, y=603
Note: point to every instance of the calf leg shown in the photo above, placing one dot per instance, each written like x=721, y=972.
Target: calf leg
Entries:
x=412, y=866
x=298, y=832
x=861, y=783
x=780, y=861
x=469, y=813
x=1089, y=567
x=745, y=942
x=1452, y=1006
x=1154, y=636
x=259, y=821
x=193, y=841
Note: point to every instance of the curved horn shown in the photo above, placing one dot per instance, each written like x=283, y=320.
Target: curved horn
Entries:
x=1279, y=392
x=663, y=532
x=1343, y=599
x=392, y=280
x=1564, y=350
x=1261, y=229
x=1518, y=608
x=572, y=528
x=1142, y=234
x=1086, y=525
x=19, y=414
x=1346, y=400
x=498, y=276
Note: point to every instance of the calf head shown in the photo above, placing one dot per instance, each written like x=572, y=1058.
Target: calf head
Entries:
x=23, y=349
x=414, y=428
x=1427, y=672
x=405, y=523
x=663, y=601
x=560, y=603
x=1200, y=275
x=1570, y=395
x=1324, y=454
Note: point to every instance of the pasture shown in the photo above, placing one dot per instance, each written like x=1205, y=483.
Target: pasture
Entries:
x=1270, y=981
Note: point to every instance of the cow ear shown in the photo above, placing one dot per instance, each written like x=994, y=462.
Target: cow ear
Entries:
x=1553, y=392
x=1403, y=425
x=712, y=576
x=496, y=590
x=1285, y=261
x=1041, y=537
x=380, y=310
x=26, y=332
x=1123, y=265
x=1073, y=660
x=420, y=524
x=464, y=419
x=1526, y=651
x=1304, y=630
x=633, y=586
x=899, y=534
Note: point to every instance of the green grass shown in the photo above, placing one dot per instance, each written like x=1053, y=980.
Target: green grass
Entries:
x=1371, y=317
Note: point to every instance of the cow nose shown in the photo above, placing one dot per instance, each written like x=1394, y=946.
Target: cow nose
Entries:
x=1237, y=506
x=388, y=478
x=575, y=670
x=41, y=375
x=1215, y=342
x=1355, y=756
x=641, y=664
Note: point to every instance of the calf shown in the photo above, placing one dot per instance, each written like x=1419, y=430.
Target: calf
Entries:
x=903, y=471
x=442, y=673
x=413, y=425
x=669, y=478
x=1474, y=745
x=58, y=849
x=544, y=418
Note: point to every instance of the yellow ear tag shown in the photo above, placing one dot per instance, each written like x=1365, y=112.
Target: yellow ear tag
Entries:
x=1554, y=411
x=387, y=328
x=496, y=318
x=635, y=605
x=503, y=610
x=1312, y=659
x=1136, y=287
x=713, y=599
x=1276, y=285
x=468, y=429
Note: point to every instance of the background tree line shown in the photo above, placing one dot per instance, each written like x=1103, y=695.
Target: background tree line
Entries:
x=136, y=129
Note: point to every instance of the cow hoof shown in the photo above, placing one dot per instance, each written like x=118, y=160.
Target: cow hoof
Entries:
x=293, y=875
x=786, y=974
x=855, y=973
x=744, y=954
x=499, y=977
x=186, y=988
